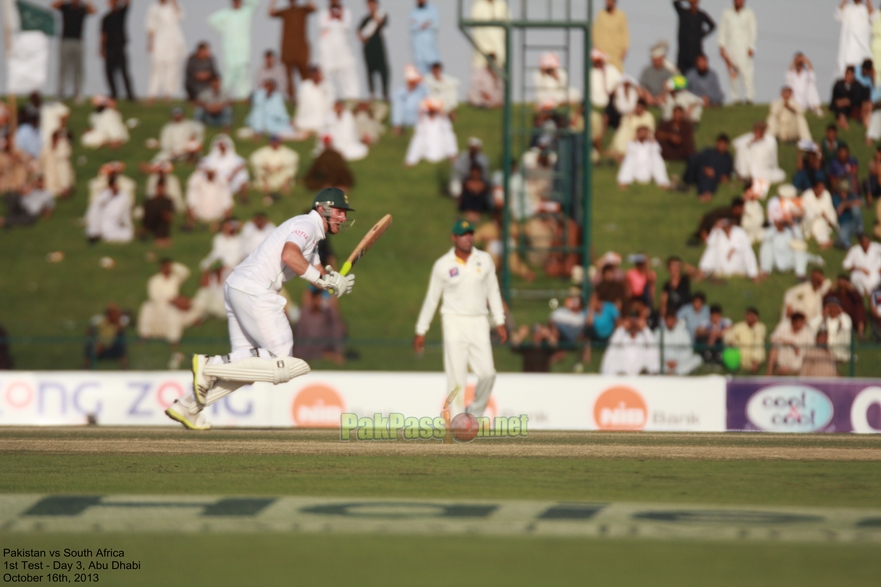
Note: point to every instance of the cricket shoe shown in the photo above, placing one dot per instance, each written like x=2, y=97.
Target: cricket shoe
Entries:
x=202, y=383
x=180, y=413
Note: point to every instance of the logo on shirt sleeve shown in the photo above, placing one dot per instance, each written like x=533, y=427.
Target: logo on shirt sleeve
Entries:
x=454, y=272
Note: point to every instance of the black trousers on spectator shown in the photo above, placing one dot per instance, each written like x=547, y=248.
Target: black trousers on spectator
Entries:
x=381, y=67
x=117, y=60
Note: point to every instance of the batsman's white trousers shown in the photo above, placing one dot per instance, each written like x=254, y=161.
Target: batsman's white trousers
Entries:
x=257, y=321
x=467, y=343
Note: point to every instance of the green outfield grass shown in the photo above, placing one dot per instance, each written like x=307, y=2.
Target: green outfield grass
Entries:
x=56, y=300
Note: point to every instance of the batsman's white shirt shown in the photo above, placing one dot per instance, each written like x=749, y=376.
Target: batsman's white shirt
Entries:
x=253, y=305
x=471, y=298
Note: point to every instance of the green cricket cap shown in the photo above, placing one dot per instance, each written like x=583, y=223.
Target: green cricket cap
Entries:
x=463, y=227
x=333, y=197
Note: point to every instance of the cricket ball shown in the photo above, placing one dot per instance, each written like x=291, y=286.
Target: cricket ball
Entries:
x=464, y=427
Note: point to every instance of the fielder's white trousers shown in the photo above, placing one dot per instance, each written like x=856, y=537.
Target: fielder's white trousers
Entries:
x=467, y=344
x=745, y=76
x=165, y=78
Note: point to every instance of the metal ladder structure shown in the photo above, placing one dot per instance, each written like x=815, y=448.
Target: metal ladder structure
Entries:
x=536, y=27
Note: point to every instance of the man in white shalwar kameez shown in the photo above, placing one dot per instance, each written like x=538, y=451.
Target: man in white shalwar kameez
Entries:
x=628, y=127
x=855, y=43
x=163, y=171
x=604, y=79
x=165, y=41
x=228, y=164
x=784, y=249
x=552, y=83
x=677, y=348
x=162, y=315
x=106, y=125
x=181, y=138
x=737, y=45
x=234, y=25
x=632, y=350
x=99, y=183
x=443, y=87
x=756, y=155
x=434, y=139
x=335, y=52
x=753, y=219
x=490, y=40
x=729, y=253
x=786, y=119
x=314, y=102
x=863, y=260
x=819, y=215
x=343, y=133
x=643, y=162
x=275, y=167
x=209, y=198
x=109, y=217
x=803, y=80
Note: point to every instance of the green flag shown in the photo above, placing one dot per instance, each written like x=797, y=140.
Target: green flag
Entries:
x=35, y=18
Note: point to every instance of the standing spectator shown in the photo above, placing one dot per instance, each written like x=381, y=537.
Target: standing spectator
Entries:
x=294, y=40
x=709, y=168
x=848, y=206
x=443, y=87
x=158, y=216
x=791, y=339
x=863, y=260
x=676, y=137
x=165, y=41
x=848, y=97
x=643, y=162
x=749, y=338
x=851, y=302
x=737, y=46
x=611, y=34
x=487, y=90
x=801, y=78
x=677, y=355
x=677, y=289
x=371, y=32
x=489, y=40
x=114, y=39
x=424, y=24
x=213, y=106
x=786, y=119
x=632, y=349
x=704, y=83
x=694, y=25
x=334, y=51
x=234, y=25
x=106, y=338
x=200, y=70
x=70, y=54
x=270, y=69
x=855, y=43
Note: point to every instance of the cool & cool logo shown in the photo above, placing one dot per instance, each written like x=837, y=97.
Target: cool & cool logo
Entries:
x=789, y=408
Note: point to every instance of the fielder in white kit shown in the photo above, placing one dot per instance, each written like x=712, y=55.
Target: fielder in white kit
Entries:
x=260, y=334
x=466, y=278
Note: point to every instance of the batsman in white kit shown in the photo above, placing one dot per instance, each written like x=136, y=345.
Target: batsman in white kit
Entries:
x=466, y=279
x=260, y=334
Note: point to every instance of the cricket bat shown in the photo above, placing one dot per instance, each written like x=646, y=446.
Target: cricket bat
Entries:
x=445, y=414
x=369, y=239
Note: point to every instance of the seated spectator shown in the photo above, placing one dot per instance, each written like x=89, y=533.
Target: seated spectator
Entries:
x=487, y=90
x=703, y=82
x=226, y=249
x=784, y=249
x=180, y=139
x=632, y=349
x=271, y=69
x=166, y=312
x=627, y=129
x=677, y=289
x=807, y=298
x=214, y=106
x=707, y=169
x=845, y=166
x=711, y=219
x=803, y=81
x=434, y=139
x=315, y=100
x=368, y=121
x=610, y=287
x=569, y=319
x=329, y=169
x=200, y=70
x=820, y=217
x=162, y=171
x=25, y=207
x=785, y=207
x=551, y=83
x=407, y=100
x=749, y=338
x=254, y=232
x=811, y=168
x=443, y=87
x=851, y=302
x=99, y=183
x=643, y=162
x=27, y=135
x=753, y=220
x=654, y=77
x=756, y=155
x=208, y=301
x=830, y=145
x=641, y=279
x=786, y=119
x=106, y=127
x=818, y=360
x=158, y=216
x=863, y=260
x=604, y=78
x=678, y=95
x=109, y=217
x=228, y=164
x=627, y=96
x=676, y=137
x=209, y=198
x=838, y=327
x=476, y=197
x=694, y=313
x=320, y=332
x=677, y=355
x=710, y=335
x=55, y=165
x=848, y=206
x=465, y=161
x=269, y=115
x=848, y=97
x=106, y=338
x=599, y=322
x=275, y=168
x=343, y=133
x=791, y=339
x=729, y=253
